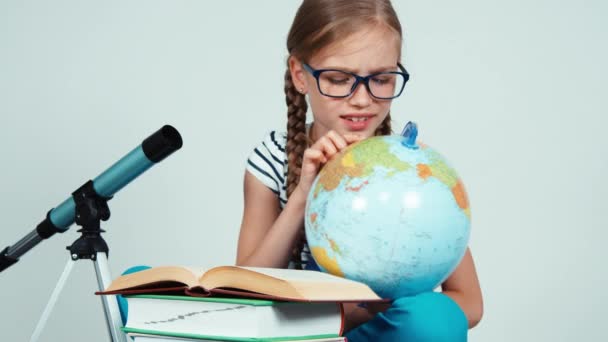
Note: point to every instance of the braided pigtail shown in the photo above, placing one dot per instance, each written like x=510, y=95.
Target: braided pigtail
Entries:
x=296, y=132
x=296, y=144
x=385, y=126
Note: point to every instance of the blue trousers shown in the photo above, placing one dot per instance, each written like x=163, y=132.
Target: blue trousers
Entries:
x=429, y=316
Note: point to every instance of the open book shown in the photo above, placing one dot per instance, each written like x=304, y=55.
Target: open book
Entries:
x=252, y=282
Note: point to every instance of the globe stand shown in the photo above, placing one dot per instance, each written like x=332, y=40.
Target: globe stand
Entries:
x=91, y=209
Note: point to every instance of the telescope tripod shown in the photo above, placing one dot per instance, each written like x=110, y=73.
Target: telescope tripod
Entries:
x=90, y=210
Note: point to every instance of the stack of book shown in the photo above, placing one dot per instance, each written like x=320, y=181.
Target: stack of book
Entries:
x=230, y=303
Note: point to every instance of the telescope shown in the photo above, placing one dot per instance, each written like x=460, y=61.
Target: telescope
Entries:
x=87, y=207
x=58, y=220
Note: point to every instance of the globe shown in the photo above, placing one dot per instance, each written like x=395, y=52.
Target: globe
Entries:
x=388, y=212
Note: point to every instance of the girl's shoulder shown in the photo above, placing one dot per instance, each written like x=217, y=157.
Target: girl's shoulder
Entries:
x=268, y=163
x=275, y=141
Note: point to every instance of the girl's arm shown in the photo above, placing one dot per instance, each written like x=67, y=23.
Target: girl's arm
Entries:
x=463, y=287
x=268, y=234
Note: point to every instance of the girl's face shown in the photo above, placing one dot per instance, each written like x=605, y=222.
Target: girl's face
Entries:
x=368, y=51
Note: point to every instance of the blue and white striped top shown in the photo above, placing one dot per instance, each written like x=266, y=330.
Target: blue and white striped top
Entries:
x=268, y=163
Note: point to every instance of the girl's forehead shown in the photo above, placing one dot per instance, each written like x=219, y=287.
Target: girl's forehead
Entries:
x=371, y=48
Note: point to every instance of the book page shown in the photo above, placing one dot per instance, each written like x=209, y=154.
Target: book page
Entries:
x=279, y=273
x=299, y=275
x=155, y=277
x=196, y=270
x=320, y=286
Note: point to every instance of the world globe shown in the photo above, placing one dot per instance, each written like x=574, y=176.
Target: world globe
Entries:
x=388, y=212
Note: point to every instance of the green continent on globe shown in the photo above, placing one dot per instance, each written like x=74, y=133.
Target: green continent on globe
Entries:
x=441, y=170
x=359, y=163
x=446, y=175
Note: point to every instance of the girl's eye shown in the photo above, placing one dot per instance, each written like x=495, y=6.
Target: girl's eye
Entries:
x=343, y=80
x=381, y=80
x=336, y=78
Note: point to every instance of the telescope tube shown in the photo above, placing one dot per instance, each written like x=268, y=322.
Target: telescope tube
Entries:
x=152, y=150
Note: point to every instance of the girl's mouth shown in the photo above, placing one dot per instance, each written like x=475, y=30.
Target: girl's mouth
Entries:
x=357, y=122
x=356, y=119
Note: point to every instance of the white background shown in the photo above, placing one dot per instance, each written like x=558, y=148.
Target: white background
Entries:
x=512, y=92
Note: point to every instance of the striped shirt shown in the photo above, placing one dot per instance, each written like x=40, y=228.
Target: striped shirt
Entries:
x=268, y=163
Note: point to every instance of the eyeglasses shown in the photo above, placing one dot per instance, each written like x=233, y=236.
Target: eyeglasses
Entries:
x=339, y=84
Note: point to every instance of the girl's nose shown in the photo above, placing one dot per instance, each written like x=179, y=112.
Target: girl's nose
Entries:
x=361, y=96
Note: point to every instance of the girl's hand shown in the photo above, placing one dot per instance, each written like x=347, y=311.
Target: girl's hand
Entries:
x=356, y=314
x=318, y=154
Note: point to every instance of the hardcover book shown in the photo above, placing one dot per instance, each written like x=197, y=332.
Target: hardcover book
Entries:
x=251, y=282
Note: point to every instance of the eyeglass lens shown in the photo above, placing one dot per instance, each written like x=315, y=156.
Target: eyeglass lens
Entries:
x=339, y=83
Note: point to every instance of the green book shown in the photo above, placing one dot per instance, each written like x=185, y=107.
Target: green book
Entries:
x=135, y=337
x=232, y=319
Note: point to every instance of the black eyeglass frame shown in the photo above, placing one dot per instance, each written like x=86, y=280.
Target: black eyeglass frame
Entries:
x=316, y=73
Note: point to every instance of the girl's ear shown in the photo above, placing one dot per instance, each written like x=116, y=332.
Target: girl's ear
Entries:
x=298, y=75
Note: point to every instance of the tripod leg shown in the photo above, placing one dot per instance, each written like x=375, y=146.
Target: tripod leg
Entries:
x=110, y=305
x=52, y=300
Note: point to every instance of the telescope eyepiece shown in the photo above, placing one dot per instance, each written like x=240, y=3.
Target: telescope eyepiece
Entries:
x=162, y=143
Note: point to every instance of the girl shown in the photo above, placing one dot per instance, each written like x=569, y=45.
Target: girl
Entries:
x=331, y=43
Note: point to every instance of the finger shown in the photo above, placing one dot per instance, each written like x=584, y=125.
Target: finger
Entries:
x=314, y=155
x=337, y=139
x=353, y=138
x=326, y=145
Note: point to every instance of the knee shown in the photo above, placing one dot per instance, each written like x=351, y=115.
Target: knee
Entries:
x=134, y=269
x=123, y=307
x=430, y=316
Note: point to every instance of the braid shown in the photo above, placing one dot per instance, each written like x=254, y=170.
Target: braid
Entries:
x=385, y=126
x=296, y=132
x=296, y=144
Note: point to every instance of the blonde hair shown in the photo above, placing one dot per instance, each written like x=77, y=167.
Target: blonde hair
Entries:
x=318, y=24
